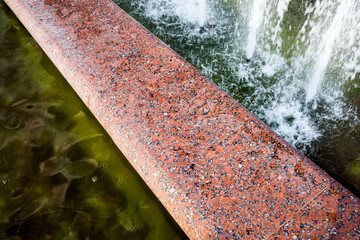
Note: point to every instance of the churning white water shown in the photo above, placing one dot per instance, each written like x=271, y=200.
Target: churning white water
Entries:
x=254, y=24
x=263, y=12
x=325, y=37
x=189, y=11
x=291, y=62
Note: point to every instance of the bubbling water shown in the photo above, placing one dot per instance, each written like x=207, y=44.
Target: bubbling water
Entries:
x=254, y=24
x=331, y=30
x=327, y=41
x=265, y=11
x=189, y=11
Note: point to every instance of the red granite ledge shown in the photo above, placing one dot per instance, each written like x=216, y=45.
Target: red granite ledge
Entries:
x=219, y=171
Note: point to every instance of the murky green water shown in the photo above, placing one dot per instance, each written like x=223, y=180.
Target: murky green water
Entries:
x=61, y=176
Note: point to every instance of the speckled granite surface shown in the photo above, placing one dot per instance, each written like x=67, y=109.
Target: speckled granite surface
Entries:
x=220, y=172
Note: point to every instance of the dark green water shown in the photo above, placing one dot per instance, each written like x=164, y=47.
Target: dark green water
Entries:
x=61, y=176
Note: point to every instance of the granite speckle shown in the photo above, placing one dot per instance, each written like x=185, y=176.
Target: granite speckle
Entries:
x=220, y=172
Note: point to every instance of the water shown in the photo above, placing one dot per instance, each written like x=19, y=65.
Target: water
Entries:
x=295, y=64
x=257, y=14
x=61, y=176
x=327, y=37
x=191, y=11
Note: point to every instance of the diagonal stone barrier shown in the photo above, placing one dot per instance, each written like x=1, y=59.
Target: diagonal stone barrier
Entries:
x=219, y=171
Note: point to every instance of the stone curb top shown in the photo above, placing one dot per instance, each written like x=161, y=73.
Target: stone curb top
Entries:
x=218, y=170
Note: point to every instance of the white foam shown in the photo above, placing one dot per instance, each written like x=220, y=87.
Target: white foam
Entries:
x=326, y=46
x=254, y=24
x=190, y=11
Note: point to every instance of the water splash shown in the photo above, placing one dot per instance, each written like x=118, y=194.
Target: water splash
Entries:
x=265, y=12
x=190, y=11
x=321, y=47
x=281, y=9
x=326, y=47
x=202, y=9
x=254, y=24
x=266, y=23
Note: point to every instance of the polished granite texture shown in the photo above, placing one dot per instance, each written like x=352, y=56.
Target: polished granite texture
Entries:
x=218, y=170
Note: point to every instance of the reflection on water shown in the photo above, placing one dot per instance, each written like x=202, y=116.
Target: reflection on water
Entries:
x=61, y=177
